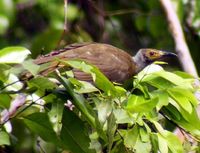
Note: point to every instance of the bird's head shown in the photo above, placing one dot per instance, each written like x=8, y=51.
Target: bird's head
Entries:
x=147, y=56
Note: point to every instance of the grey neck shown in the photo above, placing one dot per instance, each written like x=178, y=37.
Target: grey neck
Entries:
x=139, y=61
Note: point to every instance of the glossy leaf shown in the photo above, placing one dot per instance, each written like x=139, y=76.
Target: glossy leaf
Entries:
x=180, y=99
x=100, y=80
x=13, y=54
x=139, y=104
x=168, y=139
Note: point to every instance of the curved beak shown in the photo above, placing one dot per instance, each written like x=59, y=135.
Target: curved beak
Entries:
x=168, y=54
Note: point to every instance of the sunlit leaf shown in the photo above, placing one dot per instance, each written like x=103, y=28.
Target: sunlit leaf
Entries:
x=4, y=138
x=180, y=99
x=162, y=143
x=122, y=116
x=31, y=67
x=83, y=86
x=13, y=54
x=100, y=80
x=168, y=139
x=139, y=104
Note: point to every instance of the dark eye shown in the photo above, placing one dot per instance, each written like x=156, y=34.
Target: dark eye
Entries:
x=152, y=53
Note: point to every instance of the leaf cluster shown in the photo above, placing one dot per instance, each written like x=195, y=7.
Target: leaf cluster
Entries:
x=102, y=116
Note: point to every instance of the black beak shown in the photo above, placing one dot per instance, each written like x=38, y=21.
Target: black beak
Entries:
x=169, y=54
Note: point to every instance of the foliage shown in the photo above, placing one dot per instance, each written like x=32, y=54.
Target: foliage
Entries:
x=41, y=115
x=107, y=118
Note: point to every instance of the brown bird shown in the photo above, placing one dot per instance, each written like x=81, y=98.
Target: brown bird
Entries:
x=115, y=63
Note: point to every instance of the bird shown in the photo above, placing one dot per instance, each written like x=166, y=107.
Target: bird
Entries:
x=116, y=64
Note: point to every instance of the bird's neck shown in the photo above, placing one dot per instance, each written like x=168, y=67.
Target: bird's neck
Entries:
x=140, y=62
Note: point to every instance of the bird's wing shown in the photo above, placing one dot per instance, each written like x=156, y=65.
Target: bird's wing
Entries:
x=113, y=62
x=57, y=53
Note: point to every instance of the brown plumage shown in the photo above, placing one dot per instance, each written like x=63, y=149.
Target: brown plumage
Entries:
x=115, y=63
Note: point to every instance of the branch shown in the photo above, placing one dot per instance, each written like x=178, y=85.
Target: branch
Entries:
x=179, y=39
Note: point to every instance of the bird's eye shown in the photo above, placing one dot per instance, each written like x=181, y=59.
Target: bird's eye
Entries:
x=152, y=53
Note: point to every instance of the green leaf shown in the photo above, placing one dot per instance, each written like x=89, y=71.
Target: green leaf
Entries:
x=188, y=121
x=169, y=139
x=137, y=143
x=139, y=104
x=184, y=75
x=82, y=86
x=104, y=109
x=186, y=93
x=39, y=123
x=162, y=144
x=175, y=79
x=119, y=148
x=4, y=138
x=78, y=100
x=13, y=54
x=154, y=141
x=31, y=67
x=163, y=80
x=73, y=134
x=172, y=140
x=98, y=77
x=42, y=84
x=144, y=135
x=131, y=137
x=122, y=116
x=4, y=72
x=180, y=97
x=111, y=128
x=5, y=101
x=55, y=114
x=158, y=82
x=163, y=99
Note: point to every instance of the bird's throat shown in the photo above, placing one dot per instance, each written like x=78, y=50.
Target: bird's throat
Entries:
x=140, y=62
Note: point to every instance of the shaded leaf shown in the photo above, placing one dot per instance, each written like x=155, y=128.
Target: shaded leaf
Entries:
x=42, y=84
x=39, y=123
x=111, y=128
x=4, y=72
x=73, y=134
x=78, y=100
